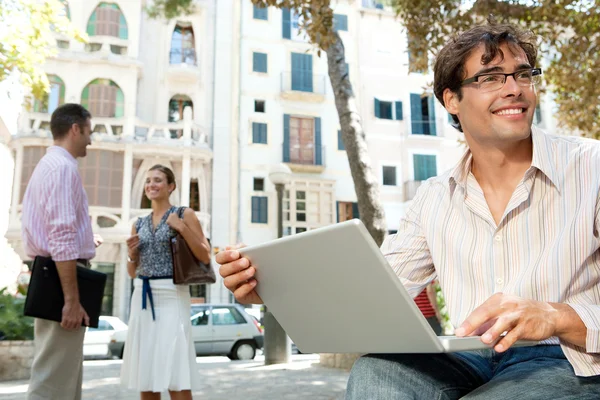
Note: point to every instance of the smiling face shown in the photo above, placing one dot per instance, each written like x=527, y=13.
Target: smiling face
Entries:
x=495, y=118
x=157, y=186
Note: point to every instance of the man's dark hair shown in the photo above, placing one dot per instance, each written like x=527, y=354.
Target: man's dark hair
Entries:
x=65, y=116
x=449, y=69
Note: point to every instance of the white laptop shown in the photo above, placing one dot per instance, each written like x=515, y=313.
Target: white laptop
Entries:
x=332, y=291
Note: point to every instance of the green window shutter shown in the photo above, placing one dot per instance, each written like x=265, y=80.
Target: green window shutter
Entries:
x=264, y=208
x=91, y=25
x=398, y=105
x=302, y=79
x=318, y=147
x=255, y=133
x=263, y=133
x=424, y=166
x=355, y=213
x=340, y=22
x=377, y=109
x=120, y=104
x=416, y=114
x=337, y=211
x=123, y=33
x=259, y=133
x=286, y=138
x=255, y=213
x=85, y=96
x=261, y=13
x=286, y=23
x=341, y=145
x=259, y=62
x=431, y=109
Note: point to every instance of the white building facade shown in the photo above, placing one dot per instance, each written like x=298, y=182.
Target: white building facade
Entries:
x=221, y=97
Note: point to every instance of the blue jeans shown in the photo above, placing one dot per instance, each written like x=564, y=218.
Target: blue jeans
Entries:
x=539, y=372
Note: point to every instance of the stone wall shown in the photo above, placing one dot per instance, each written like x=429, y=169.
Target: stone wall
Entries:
x=15, y=359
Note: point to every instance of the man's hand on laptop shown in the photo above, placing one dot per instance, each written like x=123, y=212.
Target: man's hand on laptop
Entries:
x=238, y=275
x=522, y=319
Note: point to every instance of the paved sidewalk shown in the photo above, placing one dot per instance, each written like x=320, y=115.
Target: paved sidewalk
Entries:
x=303, y=378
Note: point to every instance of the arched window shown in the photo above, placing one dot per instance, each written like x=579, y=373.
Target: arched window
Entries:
x=107, y=20
x=176, y=106
x=103, y=98
x=65, y=11
x=183, y=50
x=52, y=100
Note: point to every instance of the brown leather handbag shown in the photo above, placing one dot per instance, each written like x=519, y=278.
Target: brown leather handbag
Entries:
x=187, y=270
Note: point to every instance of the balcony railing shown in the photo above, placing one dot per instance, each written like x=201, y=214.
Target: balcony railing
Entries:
x=303, y=81
x=118, y=129
x=377, y=4
x=108, y=220
x=410, y=189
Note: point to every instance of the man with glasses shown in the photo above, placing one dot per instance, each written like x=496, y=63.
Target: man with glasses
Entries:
x=511, y=233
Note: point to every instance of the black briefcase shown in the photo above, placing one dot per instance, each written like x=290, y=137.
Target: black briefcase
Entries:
x=45, y=297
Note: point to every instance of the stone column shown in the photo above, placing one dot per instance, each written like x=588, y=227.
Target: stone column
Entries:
x=16, y=193
x=185, y=178
x=127, y=183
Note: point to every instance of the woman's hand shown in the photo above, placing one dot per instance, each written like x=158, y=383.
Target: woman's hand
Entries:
x=133, y=244
x=175, y=222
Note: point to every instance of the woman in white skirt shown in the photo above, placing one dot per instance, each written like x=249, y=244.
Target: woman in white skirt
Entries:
x=159, y=352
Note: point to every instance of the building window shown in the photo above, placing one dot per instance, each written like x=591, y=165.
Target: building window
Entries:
x=307, y=205
x=31, y=156
x=176, y=106
x=107, y=20
x=259, y=62
x=346, y=211
x=194, y=195
x=102, y=176
x=341, y=145
x=537, y=118
x=340, y=22
x=389, y=176
x=259, y=133
x=388, y=110
x=103, y=98
x=183, y=48
x=259, y=184
x=422, y=114
x=260, y=210
x=198, y=292
x=261, y=13
x=302, y=140
x=52, y=100
x=259, y=106
x=107, y=299
x=425, y=166
x=302, y=76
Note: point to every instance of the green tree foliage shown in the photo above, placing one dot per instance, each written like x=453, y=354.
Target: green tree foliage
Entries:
x=28, y=32
x=13, y=324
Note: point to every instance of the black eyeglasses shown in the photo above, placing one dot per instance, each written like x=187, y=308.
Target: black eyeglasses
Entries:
x=495, y=81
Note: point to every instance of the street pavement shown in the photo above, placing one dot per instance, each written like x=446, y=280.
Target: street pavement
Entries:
x=303, y=378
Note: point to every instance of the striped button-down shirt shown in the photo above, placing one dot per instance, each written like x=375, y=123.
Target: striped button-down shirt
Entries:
x=55, y=221
x=546, y=246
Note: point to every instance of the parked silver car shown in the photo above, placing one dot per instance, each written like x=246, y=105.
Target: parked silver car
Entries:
x=217, y=329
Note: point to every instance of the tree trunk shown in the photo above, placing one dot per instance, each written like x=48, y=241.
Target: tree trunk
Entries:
x=365, y=183
x=353, y=136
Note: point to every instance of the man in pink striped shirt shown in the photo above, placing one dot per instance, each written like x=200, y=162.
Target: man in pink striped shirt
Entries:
x=56, y=223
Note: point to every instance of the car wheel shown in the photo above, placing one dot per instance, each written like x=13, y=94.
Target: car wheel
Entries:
x=243, y=351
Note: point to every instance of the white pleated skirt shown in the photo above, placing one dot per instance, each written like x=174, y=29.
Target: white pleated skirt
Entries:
x=159, y=354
